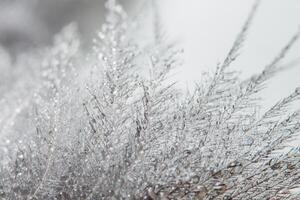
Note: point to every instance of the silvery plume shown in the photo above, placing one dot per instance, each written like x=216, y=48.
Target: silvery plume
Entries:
x=111, y=124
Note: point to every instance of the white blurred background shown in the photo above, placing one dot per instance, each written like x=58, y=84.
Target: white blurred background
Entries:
x=207, y=28
x=204, y=28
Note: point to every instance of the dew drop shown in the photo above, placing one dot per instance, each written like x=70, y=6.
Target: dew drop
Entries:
x=248, y=141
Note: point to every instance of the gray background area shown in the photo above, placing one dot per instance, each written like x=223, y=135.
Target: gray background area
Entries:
x=32, y=23
x=207, y=28
x=204, y=28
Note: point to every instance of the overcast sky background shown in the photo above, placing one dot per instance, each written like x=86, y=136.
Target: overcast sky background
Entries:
x=207, y=28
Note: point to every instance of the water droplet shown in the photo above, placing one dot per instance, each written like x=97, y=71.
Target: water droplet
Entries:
x=201, y=192
x=151, y=193
x=100, y=56
x=101, y=35
x=219, y=187
x=284, y=191
x=227, y=197
x=234, y=164
x=195, y=179
x=248, y=141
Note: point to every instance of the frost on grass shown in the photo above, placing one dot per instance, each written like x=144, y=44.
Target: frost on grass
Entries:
x=105, y=129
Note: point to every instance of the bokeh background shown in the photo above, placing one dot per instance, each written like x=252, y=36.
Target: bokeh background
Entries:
x=207, y=29
x=204, y=28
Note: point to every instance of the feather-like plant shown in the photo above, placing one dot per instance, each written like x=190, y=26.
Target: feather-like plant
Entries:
x=128, y=133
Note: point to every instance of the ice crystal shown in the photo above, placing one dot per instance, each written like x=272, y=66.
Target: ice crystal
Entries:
x=122, y=133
